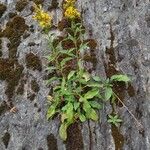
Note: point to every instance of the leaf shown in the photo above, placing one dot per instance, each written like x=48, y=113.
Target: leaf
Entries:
x=82, y=118
x=91, y=94
x=86, y=106
x=93, y=115
x=63, y=131
x=51, y=80
x=96, y=78
x=67, y=53
x=120, y=77
x=63, y=117
x=80, y=64
x=94, y=84
x=76, y=105
x=86, y=76
x=49, y=98
x=71, y=74
x=50, y=68
x=83, y=47
x=108, y=93
x=50, y=112
x=63, y=62
x=95, y=104
x=69, y=112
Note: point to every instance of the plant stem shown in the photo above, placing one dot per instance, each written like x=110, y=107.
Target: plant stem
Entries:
x=138, y=123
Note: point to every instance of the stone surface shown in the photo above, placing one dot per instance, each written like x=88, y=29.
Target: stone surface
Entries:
x=122, y=31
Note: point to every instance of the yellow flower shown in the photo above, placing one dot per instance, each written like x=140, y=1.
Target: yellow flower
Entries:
x=42, y=17
x=69, y=3
x=72, y=13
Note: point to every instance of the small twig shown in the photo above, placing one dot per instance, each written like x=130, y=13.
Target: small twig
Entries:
x=138, y=123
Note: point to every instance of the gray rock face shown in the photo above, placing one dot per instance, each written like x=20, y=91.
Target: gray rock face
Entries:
x=122, y=31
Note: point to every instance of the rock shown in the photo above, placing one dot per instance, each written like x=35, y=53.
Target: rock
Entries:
x=121, y=29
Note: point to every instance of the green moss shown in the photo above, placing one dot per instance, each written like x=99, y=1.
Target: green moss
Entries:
x=31, y=44
x=6, y=139
x=67, y=44
x=52, y=142
x=20, y=89
x=31, y=96
x=37, y=2
x=54, y=5
x=131, y=90
x=33, y=62
x=91, y=43
x=3, y=107
x=74, y=140
x=1, y=53
x=63, y=24
x=34, y=86
x=10, y=71
x=21, y=4
x=15, y=28
x=118, y=138
x=2, y=9
x=11, y=14
x=1, y=48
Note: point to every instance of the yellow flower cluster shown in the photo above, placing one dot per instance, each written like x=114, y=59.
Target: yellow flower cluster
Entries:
x=42, y=17
x=70, y=11
x=69, y=3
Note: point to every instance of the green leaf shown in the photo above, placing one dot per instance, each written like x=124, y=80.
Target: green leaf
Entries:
x=86, y=106
x=96, y=78
x=95, y=104
x=63, y=62
x=51, y=80
x=93, y=115
x=71, y=74
x=83, y=47
x=94, y=84
x=76, y=105
x=63, y=131
x=91, y=94
x=69, y=112
x=86, y=76
x=82, y=118
x=50, y=68
x=120, y=77
x=50, y=112
x=108, y=93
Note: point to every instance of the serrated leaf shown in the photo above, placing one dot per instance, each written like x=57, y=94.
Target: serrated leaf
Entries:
x=70, y=75
x=96, y=78
x=91, y=94
x=63, y=131
x=50, y=112
x=95, y=104
x=120, y=77
x=82, y=118
x=108, y=93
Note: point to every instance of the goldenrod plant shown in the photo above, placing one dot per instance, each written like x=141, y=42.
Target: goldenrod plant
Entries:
x=77, y=94
x=44, y=19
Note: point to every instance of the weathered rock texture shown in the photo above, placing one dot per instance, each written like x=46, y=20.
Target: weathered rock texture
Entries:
x=122, y=31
